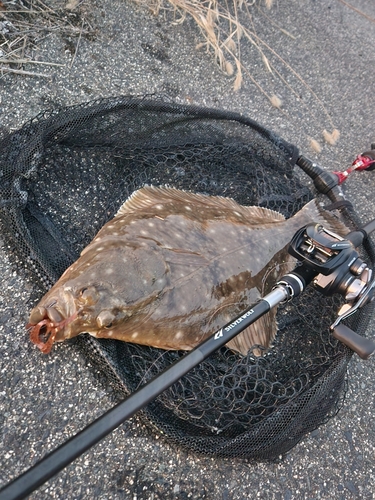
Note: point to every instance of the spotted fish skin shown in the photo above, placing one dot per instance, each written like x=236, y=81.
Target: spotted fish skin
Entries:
x=173, y=267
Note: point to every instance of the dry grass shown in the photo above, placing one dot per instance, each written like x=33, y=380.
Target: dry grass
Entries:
x=221, y=28
x=225, y=26
x=223, y=31
x=25, y=23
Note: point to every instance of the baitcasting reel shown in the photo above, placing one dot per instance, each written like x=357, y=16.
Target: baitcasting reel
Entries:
x=333, y=265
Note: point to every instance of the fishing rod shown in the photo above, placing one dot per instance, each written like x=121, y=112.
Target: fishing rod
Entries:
x=328, y=261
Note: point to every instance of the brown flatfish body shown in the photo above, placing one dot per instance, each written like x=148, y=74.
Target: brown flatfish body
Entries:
x=170, y=269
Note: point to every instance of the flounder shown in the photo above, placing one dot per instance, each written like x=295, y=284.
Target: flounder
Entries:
x=170, y=269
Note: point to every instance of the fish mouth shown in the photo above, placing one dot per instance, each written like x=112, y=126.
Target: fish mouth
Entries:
x=52, y=323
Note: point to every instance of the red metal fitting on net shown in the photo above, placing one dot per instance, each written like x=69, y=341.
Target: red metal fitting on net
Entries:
x=365, y=161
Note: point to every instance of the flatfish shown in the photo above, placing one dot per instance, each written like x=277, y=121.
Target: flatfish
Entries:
x=171, y=268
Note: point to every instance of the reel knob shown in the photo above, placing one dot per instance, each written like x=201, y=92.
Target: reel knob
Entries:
x=361, y=345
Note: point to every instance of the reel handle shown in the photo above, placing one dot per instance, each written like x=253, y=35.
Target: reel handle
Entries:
x=362, y=346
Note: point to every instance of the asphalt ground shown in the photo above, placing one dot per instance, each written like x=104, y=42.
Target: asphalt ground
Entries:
x=46, y=399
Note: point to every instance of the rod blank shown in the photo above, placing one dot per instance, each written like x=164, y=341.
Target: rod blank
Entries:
x=55, y=461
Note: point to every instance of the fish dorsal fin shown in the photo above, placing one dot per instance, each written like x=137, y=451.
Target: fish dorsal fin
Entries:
x=159, y=198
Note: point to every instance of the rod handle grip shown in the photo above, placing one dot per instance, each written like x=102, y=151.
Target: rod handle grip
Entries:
x=361, y=345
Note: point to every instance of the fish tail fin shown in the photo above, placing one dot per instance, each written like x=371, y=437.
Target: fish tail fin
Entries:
x=262, y=333
x=313, y=212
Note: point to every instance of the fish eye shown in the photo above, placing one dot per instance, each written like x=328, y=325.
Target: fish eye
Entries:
x=105, y=319
x=88, y=294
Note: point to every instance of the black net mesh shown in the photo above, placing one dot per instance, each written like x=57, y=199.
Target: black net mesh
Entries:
x=65, y=173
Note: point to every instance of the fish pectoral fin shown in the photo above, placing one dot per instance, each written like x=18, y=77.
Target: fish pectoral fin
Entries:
x=184, y=257
x=262, y=332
